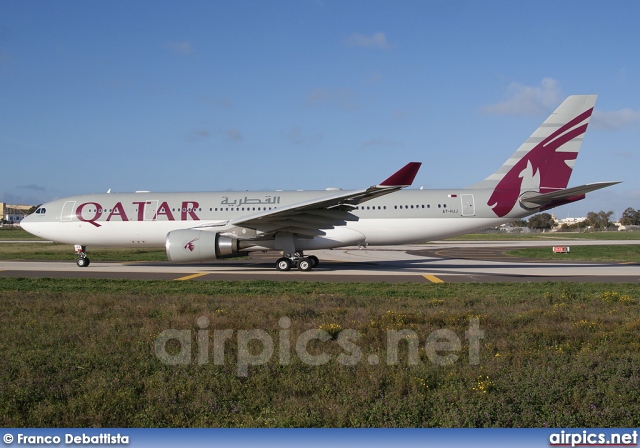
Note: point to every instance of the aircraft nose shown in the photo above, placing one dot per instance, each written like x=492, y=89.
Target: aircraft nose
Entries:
x=27, y=224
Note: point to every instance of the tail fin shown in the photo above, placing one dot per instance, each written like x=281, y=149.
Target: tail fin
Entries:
x=543, y=164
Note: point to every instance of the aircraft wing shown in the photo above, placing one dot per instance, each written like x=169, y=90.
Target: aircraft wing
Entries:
x=548, y=200
x=310, y=217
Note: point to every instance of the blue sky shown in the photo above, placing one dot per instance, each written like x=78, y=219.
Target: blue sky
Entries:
x=307, y=94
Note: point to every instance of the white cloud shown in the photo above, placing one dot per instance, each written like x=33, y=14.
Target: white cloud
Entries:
x=33, y=187
x=345, y=99
x=4, y=57
x=615, y=119
x=375, y=78
x=540, y=100
x=225, y=103
x=198, y=135
x=182, y=47
x=380, y=143
x=377, y=40
x=201, y=133
x=11, y=198
x=234, y=135
x=623, y=154
x=529, y=100
x=400, y=114
x=634, y=195
x=297, y=137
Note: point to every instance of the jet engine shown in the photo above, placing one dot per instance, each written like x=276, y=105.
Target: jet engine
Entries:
x=190, y=245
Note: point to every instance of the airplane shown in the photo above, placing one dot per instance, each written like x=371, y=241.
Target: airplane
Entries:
x=198, y=227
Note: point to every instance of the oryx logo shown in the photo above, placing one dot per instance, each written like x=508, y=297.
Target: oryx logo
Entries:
x=191, y=244
x=545, y=168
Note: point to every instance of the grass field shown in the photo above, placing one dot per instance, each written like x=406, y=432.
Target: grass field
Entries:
x=15, y=233
x=623, y=254
x=549, y=236
x=54, y=251
x=79, y=353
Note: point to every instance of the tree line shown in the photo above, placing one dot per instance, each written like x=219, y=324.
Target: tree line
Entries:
x=595, y=220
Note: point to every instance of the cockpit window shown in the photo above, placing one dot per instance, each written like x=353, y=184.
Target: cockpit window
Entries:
x=41, y=211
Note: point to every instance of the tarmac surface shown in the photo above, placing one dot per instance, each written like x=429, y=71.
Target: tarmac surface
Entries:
x=439, y=262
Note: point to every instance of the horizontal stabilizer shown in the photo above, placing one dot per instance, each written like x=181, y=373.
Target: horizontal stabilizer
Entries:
x=532, y=200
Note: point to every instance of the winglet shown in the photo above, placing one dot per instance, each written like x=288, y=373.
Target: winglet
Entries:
x=404, y=176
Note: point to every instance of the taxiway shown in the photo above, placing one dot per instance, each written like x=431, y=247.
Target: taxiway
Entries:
x=439, y=262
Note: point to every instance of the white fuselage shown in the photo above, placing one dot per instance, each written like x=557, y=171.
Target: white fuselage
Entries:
x=145, y=219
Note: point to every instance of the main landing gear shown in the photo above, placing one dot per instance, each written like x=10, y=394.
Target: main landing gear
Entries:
x=81, y=251
x=298, y=260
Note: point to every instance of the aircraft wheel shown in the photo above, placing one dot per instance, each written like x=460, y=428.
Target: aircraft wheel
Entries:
x=314, y=260
x=83, y=262
x=305, y=264
x=283, y=264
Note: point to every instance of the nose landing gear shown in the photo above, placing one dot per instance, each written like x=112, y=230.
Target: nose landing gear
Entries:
x=81, y=251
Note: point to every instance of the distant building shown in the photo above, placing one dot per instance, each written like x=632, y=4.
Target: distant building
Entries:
x=13, y=213
x=13, y=219
x=572, y=220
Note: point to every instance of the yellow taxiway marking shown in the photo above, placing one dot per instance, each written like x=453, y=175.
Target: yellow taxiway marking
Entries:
x=189, y=277
x=433, y=278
